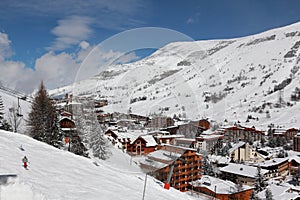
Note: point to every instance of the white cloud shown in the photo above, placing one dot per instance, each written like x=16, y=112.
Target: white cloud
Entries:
x=5, y=50
x=57, y=69
x=71, y=31
x=84, y=45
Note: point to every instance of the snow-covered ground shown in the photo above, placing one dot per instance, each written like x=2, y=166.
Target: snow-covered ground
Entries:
x=56, y=174
x=177, y=79
x=10, y=101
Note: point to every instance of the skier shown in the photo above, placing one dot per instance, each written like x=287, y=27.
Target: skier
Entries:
x=25, y=161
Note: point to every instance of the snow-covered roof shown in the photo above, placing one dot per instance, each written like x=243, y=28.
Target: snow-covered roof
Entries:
x=150, y=141
x=236, y=146
x=68, y=129
x=169, y=136
x=132, y=135
x=210, y=136
x=153, y=163
x=68, y=118
x=242, y=170
x=186, y=139
x=219, y=186
x=279, y=192
x=273, y=162
x=295, y=158
x=219, y=159
x=159, y=132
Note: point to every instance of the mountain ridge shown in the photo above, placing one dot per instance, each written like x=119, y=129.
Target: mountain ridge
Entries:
x=216, y=79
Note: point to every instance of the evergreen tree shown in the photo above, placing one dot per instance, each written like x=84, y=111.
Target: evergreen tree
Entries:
x=43, y=121
x=98, y=143
x=254, y=196
x=207, y=167
x=259, y=181
x=269, y=195
x=90, y=132
x=4, y=125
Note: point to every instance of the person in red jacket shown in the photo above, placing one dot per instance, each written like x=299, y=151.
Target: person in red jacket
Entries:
x=25, y=161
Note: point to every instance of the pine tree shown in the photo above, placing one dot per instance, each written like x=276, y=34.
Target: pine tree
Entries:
x=207, y=167
x=98, y=143
x=43, y=121
x=90, y=132
x=254, y=196
x=259, y=181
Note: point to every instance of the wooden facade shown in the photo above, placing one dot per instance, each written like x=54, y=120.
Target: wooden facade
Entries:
x=187, y=167
x=66, y=123
x=242, y=195
x=221, y=189
x=276, y=167
x=138, y=145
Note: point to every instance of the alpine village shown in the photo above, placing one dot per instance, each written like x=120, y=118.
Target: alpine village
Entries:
x=247, y=153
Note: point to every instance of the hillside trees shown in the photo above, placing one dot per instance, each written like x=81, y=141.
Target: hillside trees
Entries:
x=90, y=132
x=4, y=125
x=43, y=120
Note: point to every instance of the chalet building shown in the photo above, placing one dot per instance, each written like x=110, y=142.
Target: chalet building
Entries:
x=186, y=163
x=204, y=123
x=239, y=133
x=209, y=143
x=294, y=164
x=221, y=189
x=296, y=142
x=276, y=167
x=168, y=139
x=240, y=173
x=133, y=142
x=140, y=118
x=288, y=134
x=160, y=122
x=190, y=130
x=243, y=152
x=67, y=126
x=171, y=129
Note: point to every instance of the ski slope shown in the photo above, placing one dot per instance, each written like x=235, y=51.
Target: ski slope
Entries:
x=55, y=174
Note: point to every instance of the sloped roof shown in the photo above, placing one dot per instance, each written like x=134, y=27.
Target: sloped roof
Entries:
x=273, y=162
x=236, y=146
x=219, y=186
x=150, y=141
x=279, y=192
x=242, y=170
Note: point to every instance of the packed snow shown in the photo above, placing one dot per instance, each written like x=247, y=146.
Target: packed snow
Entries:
x=57, y=174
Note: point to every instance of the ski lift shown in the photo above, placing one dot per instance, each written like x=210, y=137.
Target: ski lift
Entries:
x=19, y=114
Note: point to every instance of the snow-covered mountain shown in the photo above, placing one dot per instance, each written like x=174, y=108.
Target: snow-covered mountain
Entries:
x=217, y=79
x=57, y=174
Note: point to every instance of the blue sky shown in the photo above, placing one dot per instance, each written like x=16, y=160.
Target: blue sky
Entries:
x=38, y=38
